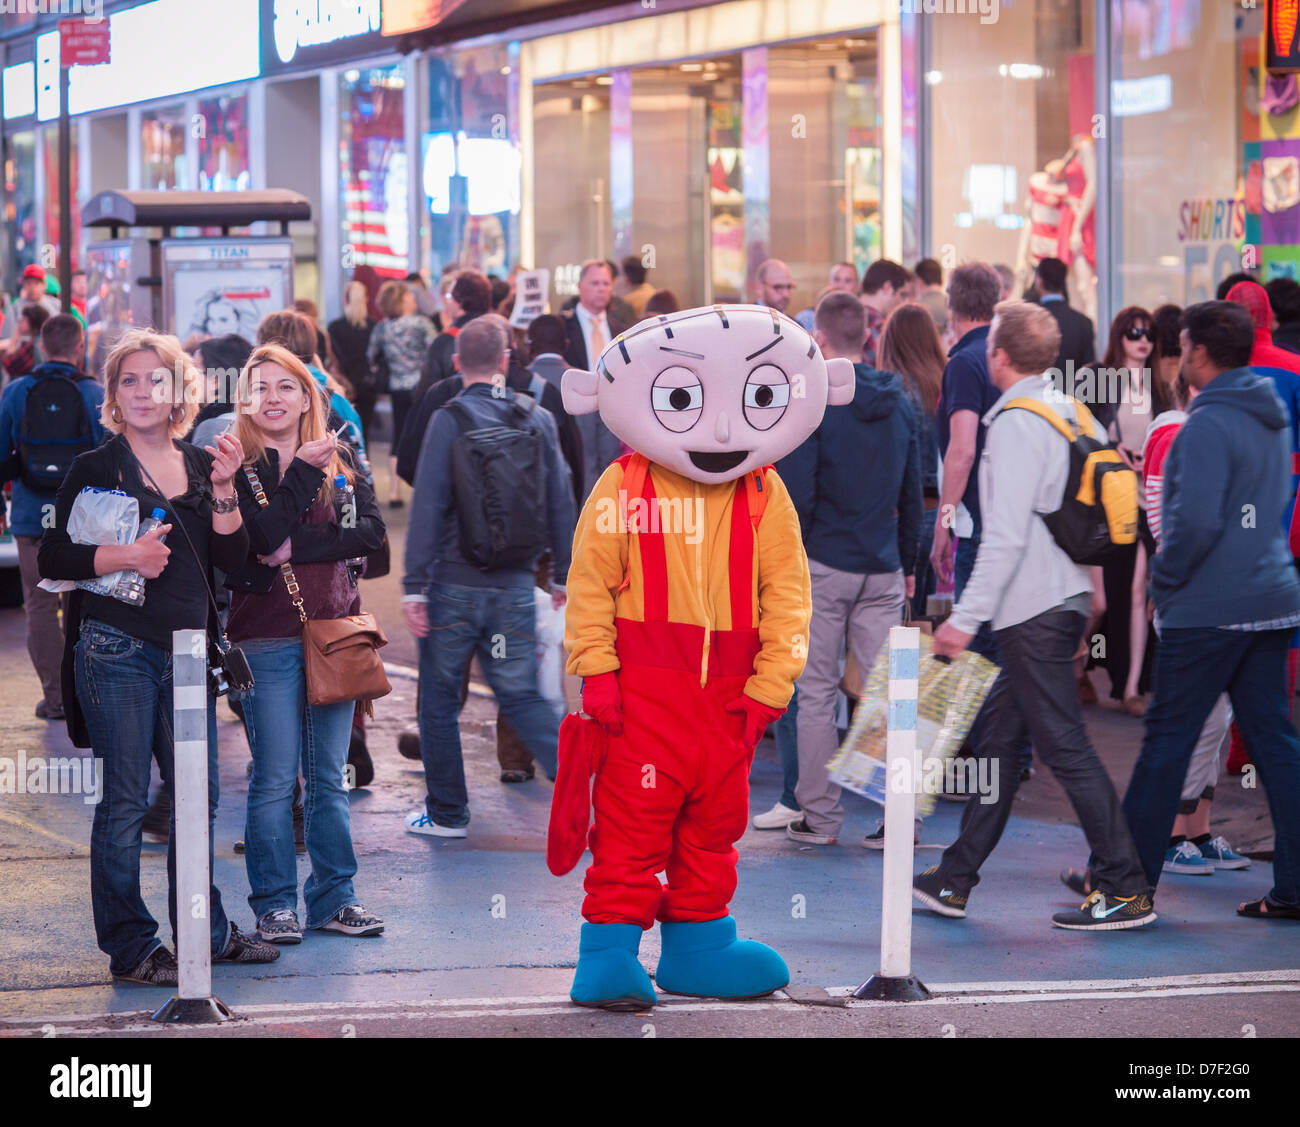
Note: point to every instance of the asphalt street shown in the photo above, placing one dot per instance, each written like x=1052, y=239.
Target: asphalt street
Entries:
x=481, y=939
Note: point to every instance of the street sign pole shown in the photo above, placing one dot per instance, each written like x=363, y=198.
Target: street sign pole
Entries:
x=82, y=42
x=65, y=194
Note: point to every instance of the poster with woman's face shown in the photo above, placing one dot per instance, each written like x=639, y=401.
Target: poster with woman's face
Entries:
x=213, y=288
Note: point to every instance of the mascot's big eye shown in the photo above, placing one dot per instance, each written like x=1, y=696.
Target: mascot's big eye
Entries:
x=767, y=394
x=677, y=397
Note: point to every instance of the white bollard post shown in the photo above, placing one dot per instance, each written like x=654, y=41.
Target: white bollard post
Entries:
x=895, y=982
x=193, y=1002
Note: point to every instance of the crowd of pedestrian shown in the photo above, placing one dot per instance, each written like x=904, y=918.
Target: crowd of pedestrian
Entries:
x=935, y=483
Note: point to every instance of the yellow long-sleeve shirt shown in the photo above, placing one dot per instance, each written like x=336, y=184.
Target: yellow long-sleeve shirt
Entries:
x=695, y=520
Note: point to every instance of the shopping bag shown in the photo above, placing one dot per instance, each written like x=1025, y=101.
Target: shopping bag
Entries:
x=950, y=695
x=100, y=517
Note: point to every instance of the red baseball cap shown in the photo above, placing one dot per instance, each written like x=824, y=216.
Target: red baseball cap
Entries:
x=34, y=271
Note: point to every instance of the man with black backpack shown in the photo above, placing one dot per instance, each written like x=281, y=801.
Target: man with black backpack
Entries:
x=47, y=418
x=1030, y=581
x=492, y=493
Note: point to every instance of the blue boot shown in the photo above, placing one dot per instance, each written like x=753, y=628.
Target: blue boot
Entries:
x=708, y=961
x=609, y=975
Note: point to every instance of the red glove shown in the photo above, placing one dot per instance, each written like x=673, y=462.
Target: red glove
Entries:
x=757, y=717
x=602, y=701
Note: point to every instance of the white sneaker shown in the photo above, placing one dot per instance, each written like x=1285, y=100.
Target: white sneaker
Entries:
x=419, y=822
x=777, y=818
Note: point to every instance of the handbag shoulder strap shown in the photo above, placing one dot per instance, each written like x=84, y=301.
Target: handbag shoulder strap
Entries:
x=286, y=569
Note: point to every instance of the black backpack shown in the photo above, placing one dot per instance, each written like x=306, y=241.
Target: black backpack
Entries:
x=55, y=428
x=499, y=485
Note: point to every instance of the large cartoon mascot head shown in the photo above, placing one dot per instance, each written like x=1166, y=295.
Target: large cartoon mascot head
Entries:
x=712, y=393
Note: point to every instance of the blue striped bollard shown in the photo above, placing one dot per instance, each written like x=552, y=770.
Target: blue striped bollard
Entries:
x=896, y=982
x=193, y=1002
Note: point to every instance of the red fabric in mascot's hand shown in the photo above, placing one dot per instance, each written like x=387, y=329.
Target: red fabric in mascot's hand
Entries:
x=582, y=745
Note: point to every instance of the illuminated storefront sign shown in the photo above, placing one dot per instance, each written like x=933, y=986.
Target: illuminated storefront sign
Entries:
x=299, y=34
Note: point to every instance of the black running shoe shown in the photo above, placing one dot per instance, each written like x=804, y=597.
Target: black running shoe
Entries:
x=363, y=767
x=929, y=889
x=241, y=948
x=354, y=920
x=280, y=926
x=1102, y=912
x=159, y=969
x=158, y=818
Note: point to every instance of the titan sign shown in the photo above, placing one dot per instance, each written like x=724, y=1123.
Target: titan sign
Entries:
x=315, y=23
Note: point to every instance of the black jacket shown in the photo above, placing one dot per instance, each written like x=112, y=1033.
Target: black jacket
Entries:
x=289, y=499
x=1078, y=342
x=576, y=352
x=109, y=467
x=517, y=379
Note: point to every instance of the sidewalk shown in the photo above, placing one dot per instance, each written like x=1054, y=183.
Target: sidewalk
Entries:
x=819, y=906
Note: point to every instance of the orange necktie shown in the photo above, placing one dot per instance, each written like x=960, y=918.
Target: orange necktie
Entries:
x=597, y=342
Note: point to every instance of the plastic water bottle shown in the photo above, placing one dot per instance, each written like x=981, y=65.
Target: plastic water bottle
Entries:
x=131, y=585
x=346, y=500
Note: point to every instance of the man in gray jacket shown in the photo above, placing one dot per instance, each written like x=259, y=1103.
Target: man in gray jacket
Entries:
x=1037, y=599
x=471, y=610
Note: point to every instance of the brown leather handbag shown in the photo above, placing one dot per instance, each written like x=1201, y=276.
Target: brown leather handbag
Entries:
x=340, y=655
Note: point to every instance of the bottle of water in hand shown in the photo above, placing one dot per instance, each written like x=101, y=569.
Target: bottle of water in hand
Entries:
x=130, y=587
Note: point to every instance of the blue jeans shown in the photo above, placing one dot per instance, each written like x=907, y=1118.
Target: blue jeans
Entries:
x=499, y=624
x=124, y=688
x=283, y=731
x=786, y=733
x=1192, y=667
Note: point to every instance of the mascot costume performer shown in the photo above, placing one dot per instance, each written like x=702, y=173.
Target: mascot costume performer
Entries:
x=687, y=619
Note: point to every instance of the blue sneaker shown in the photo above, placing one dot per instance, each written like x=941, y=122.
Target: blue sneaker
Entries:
x=1222, y=856
x=609, y=975
x=1185, y=858
x=706, y=960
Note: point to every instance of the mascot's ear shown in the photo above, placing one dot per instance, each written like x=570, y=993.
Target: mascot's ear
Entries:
x=578, y=388
x=841, y=382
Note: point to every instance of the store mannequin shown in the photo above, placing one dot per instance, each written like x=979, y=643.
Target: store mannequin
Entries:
x=1062, y=221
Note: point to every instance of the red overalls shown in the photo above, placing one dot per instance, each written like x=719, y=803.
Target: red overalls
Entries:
x=672, y=792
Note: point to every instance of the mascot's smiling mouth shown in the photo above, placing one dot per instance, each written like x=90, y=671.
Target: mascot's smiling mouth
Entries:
x=717, y=462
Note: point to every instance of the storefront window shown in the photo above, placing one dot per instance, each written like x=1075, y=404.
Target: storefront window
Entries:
x=770, y=152
x=1013, y=151
x=50, y=137
x=162, y=148
x=1204, y=185
x=470, y=162
x=373, y=173
x=824, y=115
x=223, y=144
x=20, y=202
x=571, y=208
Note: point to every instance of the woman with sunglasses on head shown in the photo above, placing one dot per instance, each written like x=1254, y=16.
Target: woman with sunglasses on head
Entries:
x=1139, y=395
x=119, y=655
x=287, y=494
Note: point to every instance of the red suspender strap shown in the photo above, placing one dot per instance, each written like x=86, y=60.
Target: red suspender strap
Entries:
x=654, y=557
x=740, y=566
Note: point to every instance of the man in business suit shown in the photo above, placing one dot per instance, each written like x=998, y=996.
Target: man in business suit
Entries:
x=588, y=329
x=1078, y=341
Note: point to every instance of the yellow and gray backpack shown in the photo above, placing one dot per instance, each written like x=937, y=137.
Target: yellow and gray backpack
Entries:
x=1099, y=513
